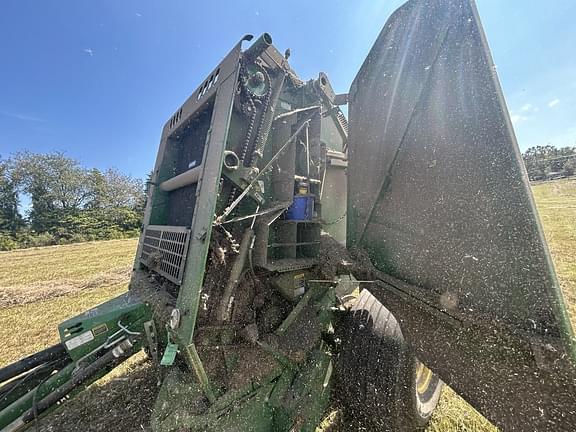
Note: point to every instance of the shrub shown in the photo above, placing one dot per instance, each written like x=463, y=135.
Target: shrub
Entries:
x=7, y=243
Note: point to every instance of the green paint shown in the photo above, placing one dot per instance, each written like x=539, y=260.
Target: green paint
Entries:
x=169, y=354
x=89, y=330
x=286, y=398
x=189, y=295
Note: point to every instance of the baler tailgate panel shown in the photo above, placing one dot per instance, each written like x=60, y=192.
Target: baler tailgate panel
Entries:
x=439, y=199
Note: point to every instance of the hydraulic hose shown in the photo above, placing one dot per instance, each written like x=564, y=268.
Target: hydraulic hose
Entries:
x=17, y=387
x=111, y=359
x=32, y=361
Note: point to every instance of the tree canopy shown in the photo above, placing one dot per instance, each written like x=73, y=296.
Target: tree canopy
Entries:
x=68, y=202
x=545, y=162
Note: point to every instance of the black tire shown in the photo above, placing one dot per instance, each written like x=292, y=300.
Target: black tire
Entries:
x=377, y=373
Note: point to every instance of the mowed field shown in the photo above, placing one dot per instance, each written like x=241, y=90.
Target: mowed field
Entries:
x=41, y=287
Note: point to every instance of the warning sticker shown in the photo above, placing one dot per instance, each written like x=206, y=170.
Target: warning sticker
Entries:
x=81, y=339
x=99, y=329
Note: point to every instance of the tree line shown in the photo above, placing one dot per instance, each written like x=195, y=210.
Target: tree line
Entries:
x=549, y=162
x=70, y=203
x=67, y=202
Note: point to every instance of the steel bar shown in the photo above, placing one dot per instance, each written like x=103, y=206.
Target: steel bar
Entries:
x=227, y=300
x=186, y=178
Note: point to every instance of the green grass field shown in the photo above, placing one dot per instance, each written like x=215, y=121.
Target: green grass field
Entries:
x=41, y=287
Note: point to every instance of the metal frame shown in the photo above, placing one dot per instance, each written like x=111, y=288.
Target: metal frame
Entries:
x=207, y=193
x=220, y=86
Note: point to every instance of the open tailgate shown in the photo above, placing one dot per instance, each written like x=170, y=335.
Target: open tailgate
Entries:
x=439, y=199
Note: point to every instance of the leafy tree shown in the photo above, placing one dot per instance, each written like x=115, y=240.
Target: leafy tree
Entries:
x=69, y=202
x=57, y=186
x=570, y=166
x=112, y=189
x=98, y=189
x=10, y=220
x=540, y=161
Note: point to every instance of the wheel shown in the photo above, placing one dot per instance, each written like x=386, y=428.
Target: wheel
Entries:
x=381, y=384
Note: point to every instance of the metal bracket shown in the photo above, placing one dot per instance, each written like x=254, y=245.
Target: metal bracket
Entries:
x=242, y=177
x=151, y=337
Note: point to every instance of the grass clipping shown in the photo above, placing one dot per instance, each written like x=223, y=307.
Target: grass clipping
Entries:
x=37, y=291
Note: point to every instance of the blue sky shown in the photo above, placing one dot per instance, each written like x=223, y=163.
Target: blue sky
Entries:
x=98, y=79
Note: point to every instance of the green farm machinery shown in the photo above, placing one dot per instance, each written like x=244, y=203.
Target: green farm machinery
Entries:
x=292, y=256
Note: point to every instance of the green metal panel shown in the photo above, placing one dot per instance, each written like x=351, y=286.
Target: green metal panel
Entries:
x=81, y=334
x=439, y=199
x=207, y=195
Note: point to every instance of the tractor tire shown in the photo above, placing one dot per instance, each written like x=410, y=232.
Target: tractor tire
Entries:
x=380, y=383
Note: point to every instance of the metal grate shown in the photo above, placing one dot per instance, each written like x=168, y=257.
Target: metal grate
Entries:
x=164, y=250
x=343, y=121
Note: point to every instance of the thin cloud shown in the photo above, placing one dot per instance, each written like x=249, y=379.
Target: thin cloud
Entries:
x=553, y=103
x=529, y=108
x=525, y=113
x=22, y=117
x=517, y=118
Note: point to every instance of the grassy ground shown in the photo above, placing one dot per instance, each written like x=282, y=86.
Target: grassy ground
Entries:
x=53, y=283
x=556, y=203
x=41, y=287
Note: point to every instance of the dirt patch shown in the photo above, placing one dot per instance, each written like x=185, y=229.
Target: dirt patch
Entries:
x=335, y=260
x=120, y=402
x=30, y=293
